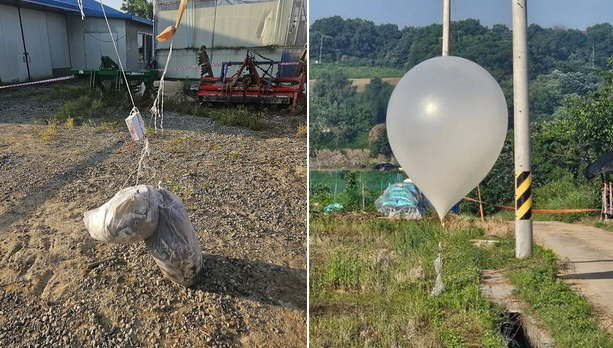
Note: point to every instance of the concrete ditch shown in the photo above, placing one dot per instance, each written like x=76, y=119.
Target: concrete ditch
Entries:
x=517, y=326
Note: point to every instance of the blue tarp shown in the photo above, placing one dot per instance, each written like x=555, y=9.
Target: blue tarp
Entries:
x=402, y=199
x=332, y=207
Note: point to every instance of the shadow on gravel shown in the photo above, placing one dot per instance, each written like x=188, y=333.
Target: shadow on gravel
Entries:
x=594, y=275
x=37, y=196
x=254, y=280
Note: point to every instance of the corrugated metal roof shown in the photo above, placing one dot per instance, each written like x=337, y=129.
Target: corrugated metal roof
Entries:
x=91, y=8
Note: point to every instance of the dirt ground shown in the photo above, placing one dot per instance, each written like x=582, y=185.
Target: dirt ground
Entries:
x=245, y=192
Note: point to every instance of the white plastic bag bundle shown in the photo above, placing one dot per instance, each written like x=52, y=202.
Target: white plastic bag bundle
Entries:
x=438, y=266
x=129, y=217
x=174, y=246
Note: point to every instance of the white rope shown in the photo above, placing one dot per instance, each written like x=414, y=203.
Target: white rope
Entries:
x=439, y=286
x=117, y=53
x=145, y=151
x=142, y=166
x=142, y=156
x=438, y=267
x=80, y=3
x=158, y=105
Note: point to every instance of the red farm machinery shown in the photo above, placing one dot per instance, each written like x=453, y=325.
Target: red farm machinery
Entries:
x=255, y=81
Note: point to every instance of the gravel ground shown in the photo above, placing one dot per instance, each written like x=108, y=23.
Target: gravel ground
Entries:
x=245, y=192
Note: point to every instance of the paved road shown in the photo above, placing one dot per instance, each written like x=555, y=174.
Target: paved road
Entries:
x=589, y=250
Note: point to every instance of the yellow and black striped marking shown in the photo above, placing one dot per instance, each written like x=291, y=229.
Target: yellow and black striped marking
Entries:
x=523, y=195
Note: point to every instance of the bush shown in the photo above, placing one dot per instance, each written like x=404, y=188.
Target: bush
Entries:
x=83, y=108
x=344, y=271
x=566, y=193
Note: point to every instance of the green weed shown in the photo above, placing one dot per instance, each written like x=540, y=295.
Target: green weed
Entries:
x=565, y=193
x=344, y=271
x=69, y=124
x=183, y=105
x=177, y=147
x=61, y=92
x=49, y=131
x=370, y=283
x=238, y=117
x=110, y=125
x=302, y=130
x=81, y=109
x=149, y=131
x=181, y=190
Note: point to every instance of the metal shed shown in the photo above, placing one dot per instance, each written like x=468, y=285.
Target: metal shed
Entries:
x=277, y=29
x=46, y=38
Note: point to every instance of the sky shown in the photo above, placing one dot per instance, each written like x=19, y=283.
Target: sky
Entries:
x=546, y=13
x=116, y=4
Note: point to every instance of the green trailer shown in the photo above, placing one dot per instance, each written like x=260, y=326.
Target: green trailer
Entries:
x=110, y=71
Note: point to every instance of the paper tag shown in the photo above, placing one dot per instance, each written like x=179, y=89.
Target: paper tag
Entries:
x=135, y=124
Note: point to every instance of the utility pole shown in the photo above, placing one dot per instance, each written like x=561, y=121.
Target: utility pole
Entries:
x=153, y=40
x=321, y=42
x=446, y=25
x=521, y=117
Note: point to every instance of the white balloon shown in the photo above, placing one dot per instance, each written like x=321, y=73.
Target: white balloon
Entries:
x=446, y=124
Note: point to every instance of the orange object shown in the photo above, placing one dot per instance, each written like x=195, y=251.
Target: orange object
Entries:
x=169, y=32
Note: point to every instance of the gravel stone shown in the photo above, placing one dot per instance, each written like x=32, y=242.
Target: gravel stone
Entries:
x=245, y=192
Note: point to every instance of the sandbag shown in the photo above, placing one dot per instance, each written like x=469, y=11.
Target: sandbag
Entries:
x=130, y=216
x=174, y=246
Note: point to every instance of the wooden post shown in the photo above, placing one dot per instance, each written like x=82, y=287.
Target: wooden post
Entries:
x=480, y=204
x=603, y=214
x=609, y=203
x=602, y=201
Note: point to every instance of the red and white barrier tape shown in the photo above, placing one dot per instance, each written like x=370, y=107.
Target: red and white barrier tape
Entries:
x=176, y=68
x=195, y=66
x=538, y=211
x=38, y=82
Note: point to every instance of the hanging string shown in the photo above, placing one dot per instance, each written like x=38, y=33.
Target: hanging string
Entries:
x=142, y=166
x=145, y=151
x=158, y=105
x=438, y=264
x=142, y=156
x=80, y=3
x=157, y=110
x=117, y=53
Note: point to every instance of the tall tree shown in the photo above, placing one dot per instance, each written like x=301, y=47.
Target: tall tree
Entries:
x=141, y=8
x=375, y=97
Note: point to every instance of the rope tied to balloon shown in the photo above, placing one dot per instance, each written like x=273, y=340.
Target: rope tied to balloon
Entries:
x=433, y=115
x=157, y=110
x=134, y=122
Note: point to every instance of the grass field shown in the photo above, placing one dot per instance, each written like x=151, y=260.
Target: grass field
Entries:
x=370, y=283
x=356, y=71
